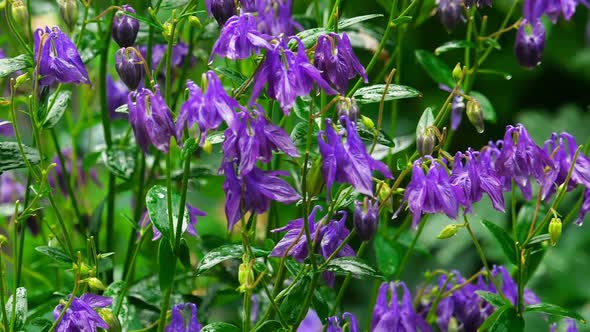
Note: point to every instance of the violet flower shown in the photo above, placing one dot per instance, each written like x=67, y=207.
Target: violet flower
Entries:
x=457, y=110
x=221, y=10
x=274, y=17
x=311, y=322
x=179, y=54
x=81, y=315
x=150, y=119
x=192, y=212
x=450, y=13
x=239, y=39
x=125, y=28
x=565, y=8
x=184, y=319
x=391, y=314
x=348, y=161
x=584, y=209
x=117, y=93
x=129, y=67
x=288, y=75
x=337, y=62
x=336, y=324
x=248, y=6
x=10, y=189
x=59, y=59
x=253, y=192
x=6, y=128
x=530, y=43
x=366, y=220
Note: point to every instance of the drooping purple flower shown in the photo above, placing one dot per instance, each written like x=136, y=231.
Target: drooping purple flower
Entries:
x=253, y=192
x=299, y=251
x=221, y=10
x=478, y=3
x=117, y=93
x=565, y=8
x=450, y=13
x=289, y=75
x=58, y=179
x=348, y=161
x=253, y=139
x=391, y=314
x=6, y=128
x=457, y=110
x=336, y=324
x=190, y=229
x=151, y=119
x=532, y=10
x=179, y=54
x=81, y=315
x=59, y=59
x=129, y=67
x=248, y=6
x=530, y=43
x=366, y=220
x=430, y=193
x=125, y=28
x=274, y=17
x=336, y=60
x=333, y=235
x=311, y=322
x=184, y=319
x=510, y=288
x=584, y=209
x=239, y=39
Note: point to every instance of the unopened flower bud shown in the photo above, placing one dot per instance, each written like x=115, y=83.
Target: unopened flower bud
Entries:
x=111, y=320
x=457, y=72
x=425, y=142
x=195, y=22
x=366, y=219
x=530, y=43
x=475, y=114
x=369, y=124
x=125, y=28
x=222, y=10
x=69, y=12
x=95, y=283
x=20, y=14
x=347, y=107
x=448, y=232
x=129, y=67
x=245, y=276
x=554, y=230
x=449, y=12
x=21, y=79
x=315, y=181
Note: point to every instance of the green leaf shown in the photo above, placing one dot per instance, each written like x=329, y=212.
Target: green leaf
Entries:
x=368, y=135
x=388, y=255
x=374, y=93
x=426, y=120
x=435, y=68
x=299, y=134
x=157, y=206
x=538, y=239
x=294, y=296
x=454, y=45
x=355, y=20
x=508, y=321
x=147, y=20
x=485, y=326
x=166, y=262
x=120, y=161
x=114, y=291
x=57, y=103
x=320, y=304
x=90, y=160
x=492, y=298
x=55, y=253
x=223, y=253
x=271, y=325
x=309, y=37
x=353, y=265
x=401, y=20
x=220, y=327
x=489, y=113
x=10, y=157
x=232, y=74
x=39, y=325
x=122, y=109
x=11, y=65
x=21, y=308
x=184, y=254
x=504, y=239
x=554, y=310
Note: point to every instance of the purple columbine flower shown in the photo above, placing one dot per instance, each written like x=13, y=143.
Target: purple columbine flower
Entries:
x=125, y=28
x=348, y=161
x=179, y=54
x=6, y=128
x=117, y=93
x=239, y=39
x=288, y=75
x=253, y=192
x=81, y=315
x=221, y=10
x=530, y=43
x=184, y=319
x=274, y=17
x=336, y=60
x=253, y=139
x=390, y=314
x=10, y=189
x=471, y=178
x=206, y=110
x=59, y=59
x=311, y=322
x=366, y=219
x=584, y=209
x=450, y=13
x=129, y=67
x=248, y=6
x=457, y=110
x=151, y=119
x=58, y=180
x=510, y=288
x=192, y=212
x=336, y=324
x=566, y=8
x=430, y=193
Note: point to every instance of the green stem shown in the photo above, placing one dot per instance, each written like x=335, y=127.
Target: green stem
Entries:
x=346, y=281
x=2, y=289
x=62, y=224
x=408, y=253
x=129, y=275
x=165, y=305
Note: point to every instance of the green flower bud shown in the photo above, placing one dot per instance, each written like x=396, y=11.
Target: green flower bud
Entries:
x=195, y=22
x=475, y=115
x=554, y=230
x=95, y=283
x=245, y=276
x=457, y=72
x=20, y=14
x=22, y=79
x=425, y=142
x=110, y=319
x=448, y=232
x=315, y=181
x=367, y=122
x=69, y=12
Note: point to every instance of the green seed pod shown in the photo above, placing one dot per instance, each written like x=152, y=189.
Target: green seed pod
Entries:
x=367, y=122
x=457, y=72
x=448, y=232
x=20, y=14
x=425, y=142
x=110, y=319
x=554, y=231
x=475, y=115
x=69, y=12
x=95, y=283
x=195, y=22
x=245, y=275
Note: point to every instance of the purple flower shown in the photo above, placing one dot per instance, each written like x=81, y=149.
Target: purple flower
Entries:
x=207, y=110
x=59, y=59
x=366, y=219
x=129, y=67
x=193, y=213
x=510, y=288
x=390, y=314
x=348, y=161
x=221, y=10
x=457, y=110
x=336, y=60
x=248, y=6
x=179, y=54
x=254, y=139
x=6, y=128
x=288, y=75
x=471, y=178
x=117, y=93
x=59, y=179
x=584, y=209
x=565, y=8
x=125, y=28
x=253, y=192
x=151, y=119
x=81, y=315
x=184, y=319
x=450, y=13
x=311, y=323
x=274, y=17
x=239, y=39
x=336, y=324
x=10, y=189
x=530, y=43
x=333, y=235
x=430, y=193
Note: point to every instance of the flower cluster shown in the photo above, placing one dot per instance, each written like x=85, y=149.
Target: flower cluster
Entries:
x=81, y=314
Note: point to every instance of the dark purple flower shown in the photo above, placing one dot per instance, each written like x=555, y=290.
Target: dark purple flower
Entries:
x=6, y=128
x=366, y=219
x=336, y=60
x=81, y=315
x=125, y=28
x=184, y=319
x=450, y=13
x=253, y=192
x=457, y=110
x=288, y=75
x=274, y=17
x=179, y=54
x=510, y=288
x=221, y=10
x=478, y=3
x=129, y=67
x=59, y=178
x=190, y=229
x=311, y=323
x=10, y=189
x=295, y=234
x=430, y=193
x=530, y=43
x=390, y=314
x=532, y=10
x=584, y=209
x=333, y=235
x=117, y=93
x=248, y=6
x=59, y=59
x=151, y=119
x=348, y=161
x=336, y=324
x=239, y=39
x=566, y=8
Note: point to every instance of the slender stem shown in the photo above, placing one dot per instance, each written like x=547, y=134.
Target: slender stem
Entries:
x=128, y=277
x=165, y=305
x=408, y=253
x=67, y=305
x=346, y=281
x=2, y=289
x=431, y=317
x=62, y=224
